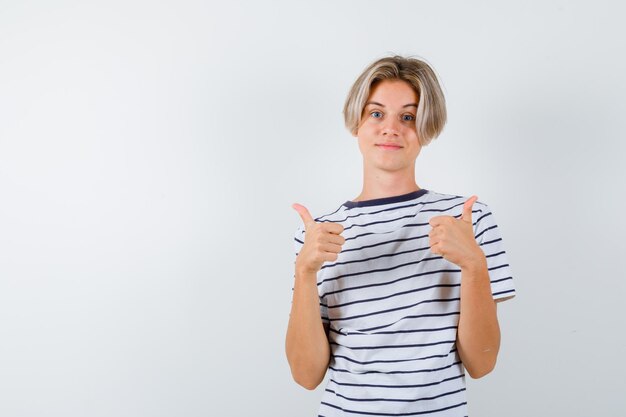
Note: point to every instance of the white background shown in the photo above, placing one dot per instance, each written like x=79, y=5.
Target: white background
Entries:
x=150, y=153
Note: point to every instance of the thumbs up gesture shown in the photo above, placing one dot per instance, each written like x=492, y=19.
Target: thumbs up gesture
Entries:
x=454, y=238
x=322, y=242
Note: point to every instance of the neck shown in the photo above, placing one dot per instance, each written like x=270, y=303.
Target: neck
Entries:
x=381, y=184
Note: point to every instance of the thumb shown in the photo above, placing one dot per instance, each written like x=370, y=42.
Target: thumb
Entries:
x=304, y=214
x=467, y=209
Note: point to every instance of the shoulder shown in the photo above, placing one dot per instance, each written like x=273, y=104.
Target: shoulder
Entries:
x=336, y=215
x=452, y=204
x=332, y=215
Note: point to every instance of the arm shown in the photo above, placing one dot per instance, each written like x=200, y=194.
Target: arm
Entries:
x=478, y=335
x=306, y=344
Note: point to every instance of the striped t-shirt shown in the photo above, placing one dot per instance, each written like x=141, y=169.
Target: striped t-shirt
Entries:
x=393, y=306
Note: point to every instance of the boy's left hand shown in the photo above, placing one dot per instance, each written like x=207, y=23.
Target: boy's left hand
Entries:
x=454, y=238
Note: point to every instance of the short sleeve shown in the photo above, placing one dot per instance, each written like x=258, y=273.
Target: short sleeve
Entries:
x=488, y=236
x=298, y=241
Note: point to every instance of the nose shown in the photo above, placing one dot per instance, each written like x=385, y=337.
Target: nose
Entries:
x=391, y=127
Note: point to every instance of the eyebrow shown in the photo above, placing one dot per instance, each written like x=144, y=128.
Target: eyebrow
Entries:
x=382, y=105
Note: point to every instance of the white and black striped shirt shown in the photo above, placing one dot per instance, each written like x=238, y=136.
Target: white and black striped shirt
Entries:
x=393, y=307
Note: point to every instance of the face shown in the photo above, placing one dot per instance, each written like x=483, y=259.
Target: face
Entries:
x=387, y=133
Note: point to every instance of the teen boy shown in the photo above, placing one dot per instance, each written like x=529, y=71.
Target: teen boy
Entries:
x=395, y=291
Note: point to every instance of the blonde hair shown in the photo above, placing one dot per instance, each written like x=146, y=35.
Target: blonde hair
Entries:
x=431, y=108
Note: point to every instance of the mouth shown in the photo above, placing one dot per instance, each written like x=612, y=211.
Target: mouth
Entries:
x=389, y=146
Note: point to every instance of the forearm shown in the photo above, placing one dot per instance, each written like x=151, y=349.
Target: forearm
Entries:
x=307, y=348
x=478, y=337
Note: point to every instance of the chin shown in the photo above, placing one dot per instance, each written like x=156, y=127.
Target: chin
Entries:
x=390, y=167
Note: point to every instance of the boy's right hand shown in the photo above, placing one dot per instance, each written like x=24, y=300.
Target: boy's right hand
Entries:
x=322, y=242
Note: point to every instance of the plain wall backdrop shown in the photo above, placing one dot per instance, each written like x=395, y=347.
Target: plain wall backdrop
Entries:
x=150, y=153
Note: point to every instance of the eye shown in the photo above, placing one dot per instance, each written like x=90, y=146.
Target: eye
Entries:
x=374, y=113
x=408, y=117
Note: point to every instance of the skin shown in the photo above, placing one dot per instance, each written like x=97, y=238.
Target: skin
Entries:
x=387, y=172
x=389, y=118
x=306, y=344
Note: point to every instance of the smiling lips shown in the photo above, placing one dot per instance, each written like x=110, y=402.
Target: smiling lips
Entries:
x=390, y=146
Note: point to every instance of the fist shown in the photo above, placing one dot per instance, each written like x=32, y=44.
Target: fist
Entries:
x=322, y=242
x=454, y=239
